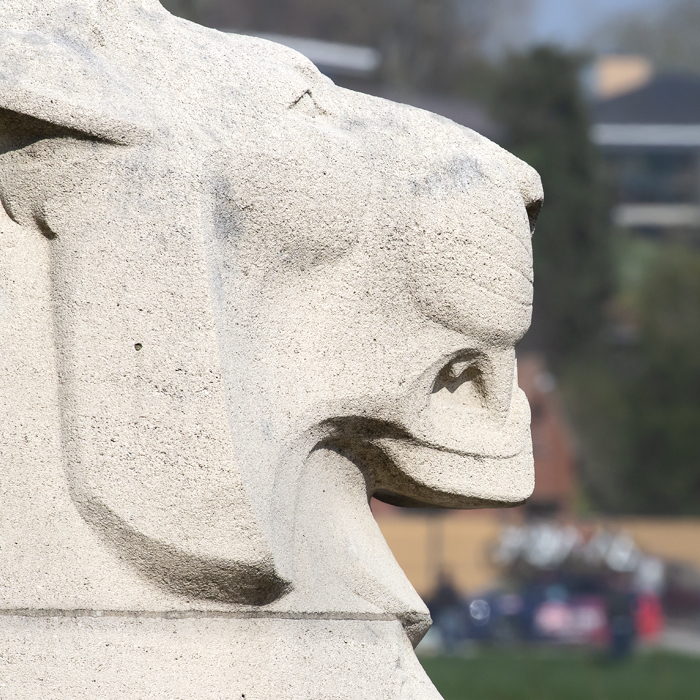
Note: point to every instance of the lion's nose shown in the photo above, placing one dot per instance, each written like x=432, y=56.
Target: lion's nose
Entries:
x=473, y=407
x=458, y=371
x=478, y=382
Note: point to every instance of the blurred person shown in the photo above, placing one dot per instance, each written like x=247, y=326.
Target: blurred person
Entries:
x=447, y=610
x=621, y=608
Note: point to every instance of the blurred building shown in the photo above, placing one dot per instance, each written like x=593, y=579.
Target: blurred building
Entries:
x=552, y=443
x=462, y=545
x=648, y=129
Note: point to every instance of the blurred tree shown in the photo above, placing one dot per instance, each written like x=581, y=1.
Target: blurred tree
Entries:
x=665, y=394
x=537, y=97
x=638, y=408
x=669, y=36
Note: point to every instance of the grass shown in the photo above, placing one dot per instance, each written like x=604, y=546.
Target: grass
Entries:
x=540, y=674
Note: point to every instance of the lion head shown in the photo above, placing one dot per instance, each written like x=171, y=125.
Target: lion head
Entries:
x=273, y=299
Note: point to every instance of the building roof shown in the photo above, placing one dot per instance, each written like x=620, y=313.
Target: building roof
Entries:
x=330, y=57
x=671, y=98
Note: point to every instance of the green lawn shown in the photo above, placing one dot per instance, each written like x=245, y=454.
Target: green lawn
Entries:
x=564, y=675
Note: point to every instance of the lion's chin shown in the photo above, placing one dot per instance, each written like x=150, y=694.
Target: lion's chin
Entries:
x=429, y=477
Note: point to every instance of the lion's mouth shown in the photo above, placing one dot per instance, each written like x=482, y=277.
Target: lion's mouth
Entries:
x=407, y=471
x=355, y=431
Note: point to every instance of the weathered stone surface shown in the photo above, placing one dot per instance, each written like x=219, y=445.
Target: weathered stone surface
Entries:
x=236, y=301
x=200, y=658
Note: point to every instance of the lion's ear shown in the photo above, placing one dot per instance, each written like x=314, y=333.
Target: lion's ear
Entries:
x=56, y=83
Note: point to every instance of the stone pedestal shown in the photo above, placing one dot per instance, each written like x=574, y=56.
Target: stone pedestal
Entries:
x=109, y=656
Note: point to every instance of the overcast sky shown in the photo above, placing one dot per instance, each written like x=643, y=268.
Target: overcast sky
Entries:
x=571, y=22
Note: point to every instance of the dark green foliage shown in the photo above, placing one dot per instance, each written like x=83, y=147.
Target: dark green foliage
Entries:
x=537, y=98
x=555, y=674
x=665, y=397
x=648, y=394
x=637, y=406
x=600, y=412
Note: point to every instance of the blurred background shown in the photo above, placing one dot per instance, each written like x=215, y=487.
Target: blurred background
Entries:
x=592, y=589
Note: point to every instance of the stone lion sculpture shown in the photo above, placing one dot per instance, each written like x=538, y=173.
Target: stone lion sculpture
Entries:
x=238, y=302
